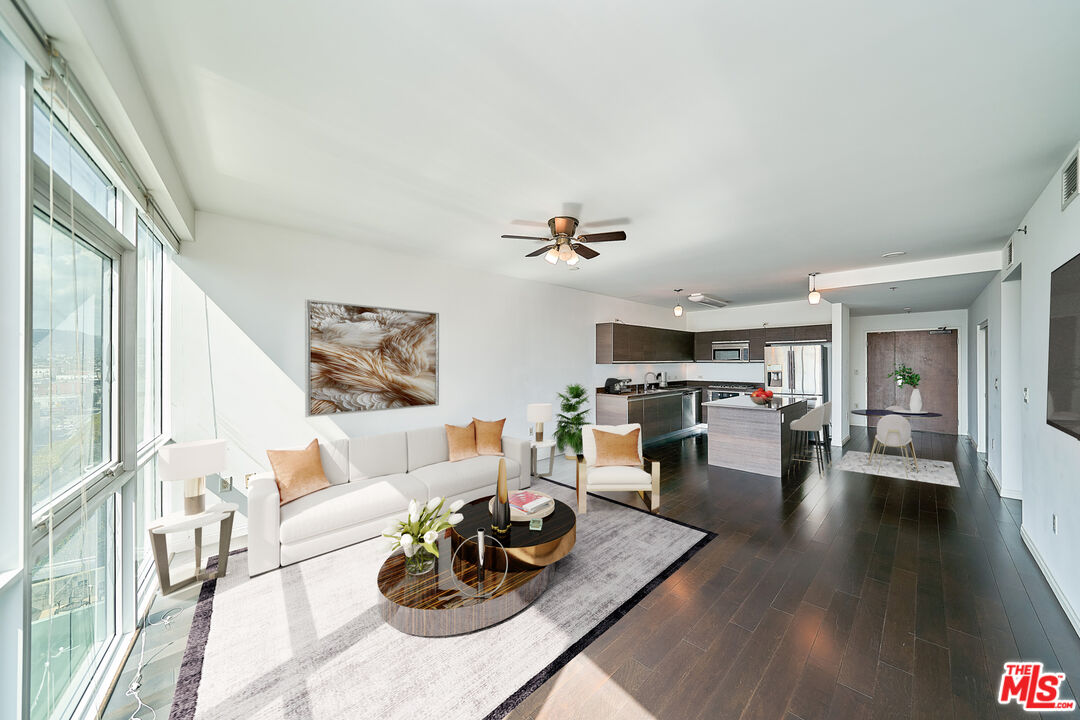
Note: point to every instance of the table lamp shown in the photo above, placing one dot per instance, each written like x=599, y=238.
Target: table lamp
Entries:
x=538, y=414
x=191, y=462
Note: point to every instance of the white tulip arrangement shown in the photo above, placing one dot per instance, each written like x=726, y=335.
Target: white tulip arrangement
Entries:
x=418, y=534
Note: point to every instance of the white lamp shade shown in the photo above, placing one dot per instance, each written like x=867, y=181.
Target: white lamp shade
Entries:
x=538, y=412
x=183, y=461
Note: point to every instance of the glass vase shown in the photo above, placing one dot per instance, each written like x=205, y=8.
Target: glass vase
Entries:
x=420, y=563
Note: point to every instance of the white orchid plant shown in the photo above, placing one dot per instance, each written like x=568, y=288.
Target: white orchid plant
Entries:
x=418, y=534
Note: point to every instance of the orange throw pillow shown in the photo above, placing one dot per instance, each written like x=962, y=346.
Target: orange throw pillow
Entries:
x=615, y=449
x=461, y=441
x=489, y=436
x=298, y=472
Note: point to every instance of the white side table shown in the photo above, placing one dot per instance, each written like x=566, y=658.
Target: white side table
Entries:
x=221, y=513
x=550, y=445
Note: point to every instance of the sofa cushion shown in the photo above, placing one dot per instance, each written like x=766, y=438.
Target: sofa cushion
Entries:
x=427, y=446
x=588, y=443
x=461, y=442
x=489, y=436
x=298, y=472
x=378, y=455
x=341, y=506
x=449, y=479
x=618, y=475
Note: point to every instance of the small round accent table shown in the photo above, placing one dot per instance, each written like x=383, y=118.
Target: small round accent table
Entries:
x=441, y=602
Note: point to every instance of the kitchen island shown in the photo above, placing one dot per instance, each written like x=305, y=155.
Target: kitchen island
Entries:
x=750, y=437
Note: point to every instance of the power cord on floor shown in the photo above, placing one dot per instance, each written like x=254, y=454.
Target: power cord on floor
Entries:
x=136, y=682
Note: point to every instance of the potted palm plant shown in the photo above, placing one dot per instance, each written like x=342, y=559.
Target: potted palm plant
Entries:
x=906, y=376
x=572, y=412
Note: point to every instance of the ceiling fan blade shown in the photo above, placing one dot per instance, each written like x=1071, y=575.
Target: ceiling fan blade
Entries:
x=528, y=237
x=606, y=223
x=603, y=237
x=585, y=251
x=541, y=251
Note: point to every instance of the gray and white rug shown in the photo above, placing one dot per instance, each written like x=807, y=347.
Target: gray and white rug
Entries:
x=938, y=472
x=307, y=641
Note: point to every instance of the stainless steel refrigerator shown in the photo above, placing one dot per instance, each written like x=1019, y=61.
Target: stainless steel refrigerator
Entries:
x=801, y=370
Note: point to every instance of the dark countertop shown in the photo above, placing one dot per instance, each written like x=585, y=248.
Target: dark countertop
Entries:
x=743, y=402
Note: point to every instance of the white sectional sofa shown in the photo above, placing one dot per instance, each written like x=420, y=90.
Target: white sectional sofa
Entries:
x=372, y=479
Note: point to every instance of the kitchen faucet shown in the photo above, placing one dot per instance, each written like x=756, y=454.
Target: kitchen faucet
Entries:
x=647, y=379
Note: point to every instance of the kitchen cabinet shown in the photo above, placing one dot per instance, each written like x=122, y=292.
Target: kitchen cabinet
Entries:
x=757, y=344
x=664, y=413
x=621, y=343
x=812, y=333
x=779, y=334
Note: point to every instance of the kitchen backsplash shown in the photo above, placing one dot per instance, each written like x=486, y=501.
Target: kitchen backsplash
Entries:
x=730, y=372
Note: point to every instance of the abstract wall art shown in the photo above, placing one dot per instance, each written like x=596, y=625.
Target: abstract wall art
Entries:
x=370, y=358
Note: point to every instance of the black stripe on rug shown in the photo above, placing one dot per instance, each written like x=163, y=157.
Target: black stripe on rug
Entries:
x=186, y=696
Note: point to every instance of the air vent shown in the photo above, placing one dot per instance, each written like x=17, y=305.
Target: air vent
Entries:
x=1009, y=254
x=703, y=299
x=1069, y=182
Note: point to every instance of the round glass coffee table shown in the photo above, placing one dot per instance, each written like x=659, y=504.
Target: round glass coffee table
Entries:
x=455, y=597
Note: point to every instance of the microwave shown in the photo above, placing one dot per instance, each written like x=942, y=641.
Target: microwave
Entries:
x=738, y=352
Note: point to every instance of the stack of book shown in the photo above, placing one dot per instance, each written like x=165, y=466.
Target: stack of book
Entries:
x=529, y=502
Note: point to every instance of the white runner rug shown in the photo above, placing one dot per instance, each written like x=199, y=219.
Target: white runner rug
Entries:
x=307, y=641
x=938, y=472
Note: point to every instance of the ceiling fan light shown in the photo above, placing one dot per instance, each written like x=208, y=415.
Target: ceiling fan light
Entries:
x=552, y=256
x=565, y=252
x=574, y=258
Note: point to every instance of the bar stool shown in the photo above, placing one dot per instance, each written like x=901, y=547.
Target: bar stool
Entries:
x=826, y=425
x=811, y=422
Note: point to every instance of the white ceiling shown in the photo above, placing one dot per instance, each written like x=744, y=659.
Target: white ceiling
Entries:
x=748, y=143
x=953, y=292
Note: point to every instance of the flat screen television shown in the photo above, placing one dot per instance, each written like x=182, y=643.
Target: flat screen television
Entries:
x=1063, y=371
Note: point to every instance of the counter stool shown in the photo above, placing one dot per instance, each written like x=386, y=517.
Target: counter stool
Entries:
x=826, y=425
x=811, y=422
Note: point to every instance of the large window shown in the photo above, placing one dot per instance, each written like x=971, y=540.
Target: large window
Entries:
x=71, y=162
x=96, y=420
x=71, y=360
x=72, y=610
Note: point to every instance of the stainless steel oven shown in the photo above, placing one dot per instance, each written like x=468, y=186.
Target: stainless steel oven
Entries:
x=738, y=352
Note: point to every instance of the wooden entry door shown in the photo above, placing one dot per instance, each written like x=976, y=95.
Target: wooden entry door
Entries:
x=933, y=356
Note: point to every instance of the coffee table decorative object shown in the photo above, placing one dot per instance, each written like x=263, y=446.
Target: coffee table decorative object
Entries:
x=416, y=536
x=463, y=593
x=500, y=510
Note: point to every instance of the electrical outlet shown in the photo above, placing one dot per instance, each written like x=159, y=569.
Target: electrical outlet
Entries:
x=856, y=406
x=995, y=383
x=991, y=443
x=226, y=483
x=1025, y=395
x=1053, y=522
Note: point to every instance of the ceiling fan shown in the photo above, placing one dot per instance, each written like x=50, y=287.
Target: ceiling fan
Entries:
x=564, y=246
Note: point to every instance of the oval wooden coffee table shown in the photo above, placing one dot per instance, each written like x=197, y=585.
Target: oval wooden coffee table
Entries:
x=442, y=602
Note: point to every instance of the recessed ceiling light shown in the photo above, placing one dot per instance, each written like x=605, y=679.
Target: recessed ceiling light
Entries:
x=894, y=253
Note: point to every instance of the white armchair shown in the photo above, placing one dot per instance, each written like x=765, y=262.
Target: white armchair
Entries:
x=616, y=477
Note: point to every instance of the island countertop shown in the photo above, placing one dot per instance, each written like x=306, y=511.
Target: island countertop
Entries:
x=743, y=402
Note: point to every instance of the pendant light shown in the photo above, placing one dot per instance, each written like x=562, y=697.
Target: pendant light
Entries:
x=814, y=297
x=678, y=309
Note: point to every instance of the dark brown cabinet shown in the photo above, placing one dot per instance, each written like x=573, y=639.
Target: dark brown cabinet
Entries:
x=620, y=343
x=757, y=345
x=810, y=333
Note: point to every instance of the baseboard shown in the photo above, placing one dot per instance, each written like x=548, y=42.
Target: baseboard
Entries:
x=840, y=442
x=1070, y=612
x=1011, y=495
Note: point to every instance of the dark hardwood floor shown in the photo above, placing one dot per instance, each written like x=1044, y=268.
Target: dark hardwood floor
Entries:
x=835, y=596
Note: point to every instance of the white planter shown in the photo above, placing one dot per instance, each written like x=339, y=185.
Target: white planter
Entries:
x=915, y=403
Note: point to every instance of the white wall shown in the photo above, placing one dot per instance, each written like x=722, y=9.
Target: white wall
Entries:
x=841, y=375
x=240, y=350
x=986, y=308
x=793, y=312
x=863, y=324
x=1050, y=457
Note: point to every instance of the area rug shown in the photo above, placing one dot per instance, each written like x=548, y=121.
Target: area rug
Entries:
x=307, y=641
x=938, y=472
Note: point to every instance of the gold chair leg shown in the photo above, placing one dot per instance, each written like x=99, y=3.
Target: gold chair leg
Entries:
x=914, y=456
x=654, y=496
